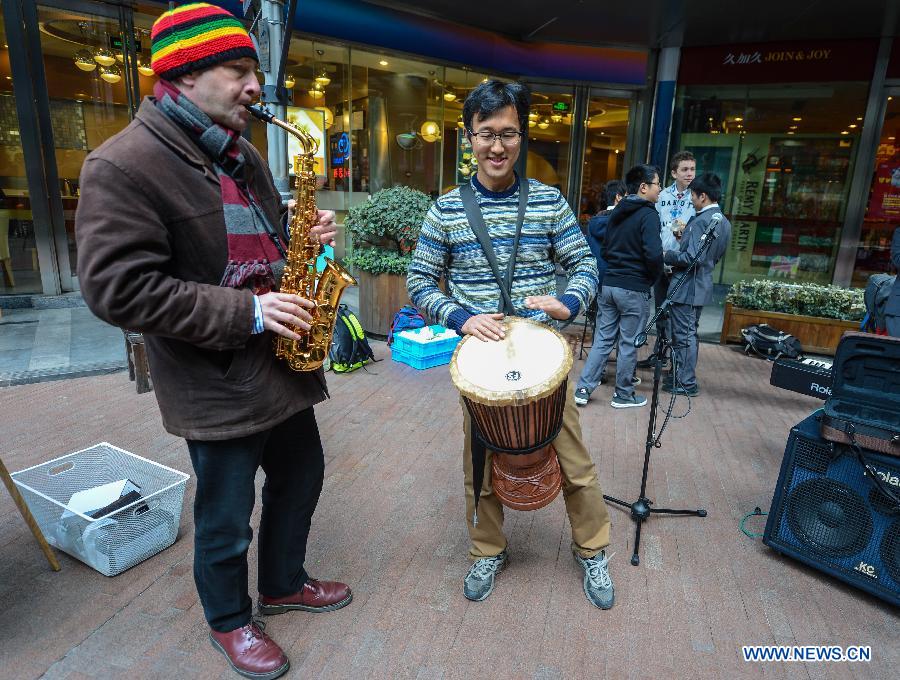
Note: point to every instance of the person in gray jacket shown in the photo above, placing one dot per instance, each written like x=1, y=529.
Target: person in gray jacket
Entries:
x=892, y=310
x=697, y=289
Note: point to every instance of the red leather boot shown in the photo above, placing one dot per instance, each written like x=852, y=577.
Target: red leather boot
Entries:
x=314, y=596
x=251, y=652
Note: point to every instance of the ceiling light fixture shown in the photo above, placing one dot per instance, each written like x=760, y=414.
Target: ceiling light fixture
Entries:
x=383, y=62
x=104, y=57
x=111, y=74
x=544, y=124
x=143, y=67
x=430, y=131
x=449, y=96
x=84, y=60
x=289, y=81
x=316, y=91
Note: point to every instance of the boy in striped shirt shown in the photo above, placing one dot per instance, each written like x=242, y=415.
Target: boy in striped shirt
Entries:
x=495, y=115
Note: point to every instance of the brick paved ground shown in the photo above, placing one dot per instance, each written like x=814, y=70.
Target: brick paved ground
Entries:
x=390, y=523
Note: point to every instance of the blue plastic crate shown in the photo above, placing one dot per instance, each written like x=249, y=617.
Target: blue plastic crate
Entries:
x=424, y=350
x=421, y=362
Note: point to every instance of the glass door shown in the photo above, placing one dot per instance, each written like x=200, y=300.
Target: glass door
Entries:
x=550, y=136
x=20, y=267
x=606, y=131
x=91, y=76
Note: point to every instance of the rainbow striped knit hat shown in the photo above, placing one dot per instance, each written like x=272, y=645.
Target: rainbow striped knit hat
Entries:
x=196, y=36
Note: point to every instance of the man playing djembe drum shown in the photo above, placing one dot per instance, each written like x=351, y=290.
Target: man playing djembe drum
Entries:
x=496, y=117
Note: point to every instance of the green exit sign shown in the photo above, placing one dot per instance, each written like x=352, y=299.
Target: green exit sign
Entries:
x=562, y=107
x=116, y=43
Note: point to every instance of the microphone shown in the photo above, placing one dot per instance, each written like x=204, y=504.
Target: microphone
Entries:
x=711, y=229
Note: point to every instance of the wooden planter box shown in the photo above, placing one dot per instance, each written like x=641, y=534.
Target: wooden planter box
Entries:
x=380, y=296
x=816, y=334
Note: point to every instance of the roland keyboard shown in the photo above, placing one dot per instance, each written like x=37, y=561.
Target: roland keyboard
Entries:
x=806, y=376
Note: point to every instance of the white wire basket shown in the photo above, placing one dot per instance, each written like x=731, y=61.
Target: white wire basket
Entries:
x=116, y=541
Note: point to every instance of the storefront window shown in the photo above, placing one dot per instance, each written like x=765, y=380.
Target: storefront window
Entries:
x=458, y=164
x=550, y=136
x=19, y=269
x=785, y=154
x=604, y=151
x=873, y=256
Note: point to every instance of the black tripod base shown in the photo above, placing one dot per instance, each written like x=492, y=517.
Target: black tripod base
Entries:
x=641, y=511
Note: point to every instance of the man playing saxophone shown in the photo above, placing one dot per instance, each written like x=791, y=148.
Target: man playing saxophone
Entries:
x=180, y=237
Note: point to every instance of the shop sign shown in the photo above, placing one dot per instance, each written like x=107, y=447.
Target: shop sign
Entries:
x=884, y=201
x=818, y=61
x=562, y=107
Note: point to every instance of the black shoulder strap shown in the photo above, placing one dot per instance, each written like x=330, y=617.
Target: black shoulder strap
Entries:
x=476, y=222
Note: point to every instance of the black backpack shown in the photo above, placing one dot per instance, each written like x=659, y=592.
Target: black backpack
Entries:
x=878, y=290
x=349, y=348
x=770, y=343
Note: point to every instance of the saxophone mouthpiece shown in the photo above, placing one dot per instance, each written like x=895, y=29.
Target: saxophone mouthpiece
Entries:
x=260, y=113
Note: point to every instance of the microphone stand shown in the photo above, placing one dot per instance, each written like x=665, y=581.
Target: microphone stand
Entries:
x=641, y=509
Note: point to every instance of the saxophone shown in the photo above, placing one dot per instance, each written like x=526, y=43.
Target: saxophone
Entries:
x=299, y=278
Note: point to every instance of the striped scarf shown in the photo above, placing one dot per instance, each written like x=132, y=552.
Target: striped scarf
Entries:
x=254, y=261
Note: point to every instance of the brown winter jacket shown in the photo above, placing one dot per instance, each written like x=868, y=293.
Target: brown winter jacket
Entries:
x=151, y=252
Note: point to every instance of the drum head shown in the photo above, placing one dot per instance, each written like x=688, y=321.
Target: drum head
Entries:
x=528, y=364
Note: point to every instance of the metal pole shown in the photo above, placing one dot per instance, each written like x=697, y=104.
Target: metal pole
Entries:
x=271, y=33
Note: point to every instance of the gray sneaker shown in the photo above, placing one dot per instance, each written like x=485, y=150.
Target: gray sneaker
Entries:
x=598, y=586
x=479, y=581
x=627, y=402
x=582, y=396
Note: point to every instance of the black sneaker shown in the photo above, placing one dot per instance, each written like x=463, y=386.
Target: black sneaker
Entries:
x=681, y=390
x=582, y=396
x=648, y=362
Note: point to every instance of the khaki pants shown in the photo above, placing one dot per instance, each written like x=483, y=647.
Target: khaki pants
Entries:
x=580, y=487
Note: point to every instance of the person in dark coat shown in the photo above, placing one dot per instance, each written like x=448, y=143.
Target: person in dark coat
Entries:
x=180, y=237
x=892, y=309
x=613, y=192
x=633, y=252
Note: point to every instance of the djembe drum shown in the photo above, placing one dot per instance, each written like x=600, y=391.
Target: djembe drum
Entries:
x=515, y=392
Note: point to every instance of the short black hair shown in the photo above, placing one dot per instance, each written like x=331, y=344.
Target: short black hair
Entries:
x=613, y=188
x=679, y=158
x=493, y=95
x=640, y=174
x=709, y=184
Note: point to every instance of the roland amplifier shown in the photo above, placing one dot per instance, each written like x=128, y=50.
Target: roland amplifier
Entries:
x=829, y=513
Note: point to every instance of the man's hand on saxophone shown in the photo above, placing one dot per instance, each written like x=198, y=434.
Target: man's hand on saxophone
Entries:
x=282, y=310
x=325, y=227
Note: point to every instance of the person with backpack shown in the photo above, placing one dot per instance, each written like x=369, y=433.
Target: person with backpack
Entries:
x=497, y=206
x=892, y=309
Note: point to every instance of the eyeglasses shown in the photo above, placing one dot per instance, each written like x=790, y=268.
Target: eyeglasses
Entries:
x=507, y=137
x=650, y=184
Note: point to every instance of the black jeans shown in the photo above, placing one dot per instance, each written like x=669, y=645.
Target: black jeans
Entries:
x=292, y=458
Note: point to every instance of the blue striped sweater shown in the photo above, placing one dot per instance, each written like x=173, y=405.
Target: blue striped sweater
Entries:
x=447, y=247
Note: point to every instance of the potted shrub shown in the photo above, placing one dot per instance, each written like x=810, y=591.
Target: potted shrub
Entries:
x=384, y=230
x=816, y=315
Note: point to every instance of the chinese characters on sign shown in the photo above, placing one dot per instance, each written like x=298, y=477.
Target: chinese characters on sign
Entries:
x=777, y=56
